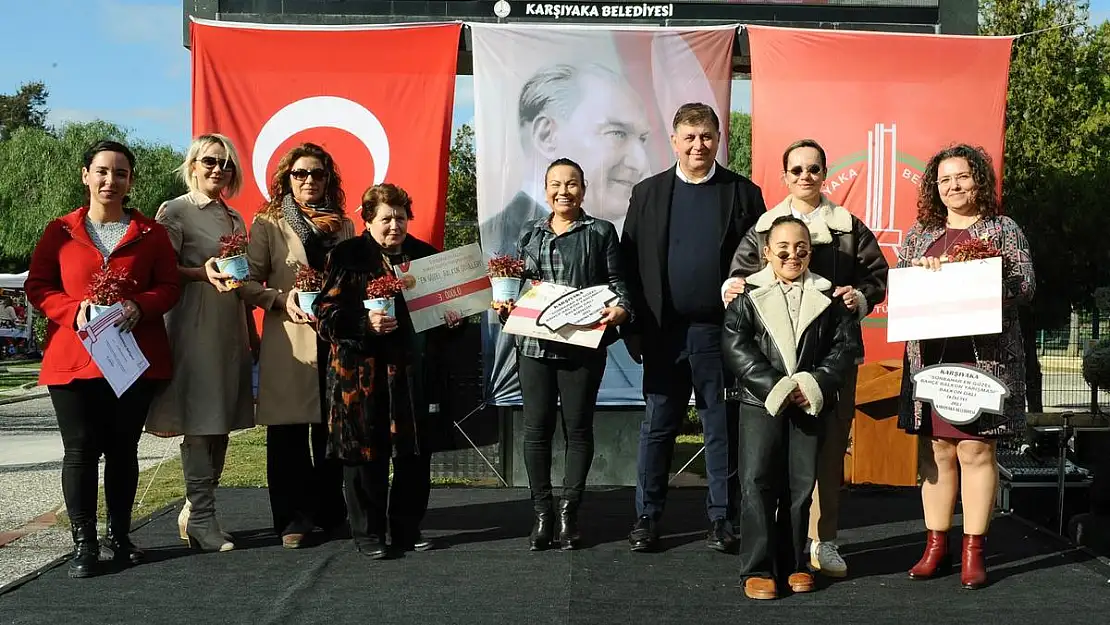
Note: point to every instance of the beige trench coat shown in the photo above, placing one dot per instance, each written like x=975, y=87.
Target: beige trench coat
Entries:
x=210, y=392
x=288, y=386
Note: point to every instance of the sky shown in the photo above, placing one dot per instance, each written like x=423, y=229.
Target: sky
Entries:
x=122, y=61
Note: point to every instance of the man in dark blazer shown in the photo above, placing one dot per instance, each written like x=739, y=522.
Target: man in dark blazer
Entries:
x=679, y=235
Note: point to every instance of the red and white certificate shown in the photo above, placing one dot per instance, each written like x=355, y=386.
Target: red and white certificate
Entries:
x=962, y=299
x=454, y=280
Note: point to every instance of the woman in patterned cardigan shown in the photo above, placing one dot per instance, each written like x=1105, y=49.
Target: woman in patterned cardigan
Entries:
x=958, y=202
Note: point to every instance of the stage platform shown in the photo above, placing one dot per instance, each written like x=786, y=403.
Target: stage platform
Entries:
x=484, y=574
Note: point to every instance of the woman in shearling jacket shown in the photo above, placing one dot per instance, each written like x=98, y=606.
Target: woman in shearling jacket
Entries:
x=846, y=253
x=790, y=345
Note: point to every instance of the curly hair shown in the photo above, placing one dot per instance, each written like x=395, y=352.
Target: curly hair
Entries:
x=280, y=187
x=931, y=212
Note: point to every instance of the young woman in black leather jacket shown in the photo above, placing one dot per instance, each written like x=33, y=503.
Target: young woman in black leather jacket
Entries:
x=789, y=343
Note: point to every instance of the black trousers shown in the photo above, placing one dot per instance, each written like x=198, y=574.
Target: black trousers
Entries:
x=306, y=488
x=778, y=469
x=94, y=422
x=543, y=384
x=684, y=358
x=374, y=506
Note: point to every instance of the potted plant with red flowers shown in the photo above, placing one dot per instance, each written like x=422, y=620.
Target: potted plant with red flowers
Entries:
x=381, y=293
x=309, y=282
x=505, y=274
x=233, y=257
x=972, y=249
x=108, y=286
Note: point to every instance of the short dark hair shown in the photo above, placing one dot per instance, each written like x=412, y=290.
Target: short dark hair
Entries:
x=388, y=194
x=566, y=162
x=105, y=145
x=931, y=212
x=696, y=114
x=804, y=143
x=788, y=219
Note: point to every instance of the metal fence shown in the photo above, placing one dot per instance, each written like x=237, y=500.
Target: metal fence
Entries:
x=1060, y=354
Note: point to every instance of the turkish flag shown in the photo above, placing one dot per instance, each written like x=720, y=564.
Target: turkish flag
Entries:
x=378, y=99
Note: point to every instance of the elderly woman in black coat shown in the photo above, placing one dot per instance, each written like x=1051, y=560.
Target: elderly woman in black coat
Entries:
x=790, y=344
x=382, y=381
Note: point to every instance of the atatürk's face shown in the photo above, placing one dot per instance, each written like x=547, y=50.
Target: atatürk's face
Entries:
x=607, y=135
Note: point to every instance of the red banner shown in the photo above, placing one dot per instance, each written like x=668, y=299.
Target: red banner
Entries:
x=881, y=105
x=378, y=99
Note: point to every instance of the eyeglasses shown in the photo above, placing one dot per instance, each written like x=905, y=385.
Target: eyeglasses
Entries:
x=962, y=178
x=798, y=170
x=303, y=174
x=210, y=162
x=800, y=254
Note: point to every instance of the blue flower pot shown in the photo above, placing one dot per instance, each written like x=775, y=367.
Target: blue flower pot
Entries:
x=505, y=289
x=235, y=265
x=307, y=301
x=384, y=304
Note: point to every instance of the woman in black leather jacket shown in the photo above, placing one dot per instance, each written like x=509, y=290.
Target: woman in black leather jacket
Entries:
x=573, y=249
x=789, y=344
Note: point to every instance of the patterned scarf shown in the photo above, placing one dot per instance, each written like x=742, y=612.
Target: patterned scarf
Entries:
x=317, y=228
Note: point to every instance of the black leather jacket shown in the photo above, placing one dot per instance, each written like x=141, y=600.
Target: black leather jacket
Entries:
x=757, y=323
x=589, y=255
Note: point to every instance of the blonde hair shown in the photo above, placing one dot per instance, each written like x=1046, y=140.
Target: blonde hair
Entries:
x=186, y=170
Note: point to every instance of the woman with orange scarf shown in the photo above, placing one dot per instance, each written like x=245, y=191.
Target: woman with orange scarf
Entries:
x=301, y=224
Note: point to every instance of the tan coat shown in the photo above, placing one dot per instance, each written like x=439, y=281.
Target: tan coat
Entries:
x=288, y=386
x=210, y=392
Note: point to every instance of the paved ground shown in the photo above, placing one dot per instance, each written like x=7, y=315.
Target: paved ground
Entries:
x=30, y=491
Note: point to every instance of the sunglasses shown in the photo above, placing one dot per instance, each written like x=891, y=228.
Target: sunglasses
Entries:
x=303, y=174
x=210, y=162
x=798, y=170
x=800, y=255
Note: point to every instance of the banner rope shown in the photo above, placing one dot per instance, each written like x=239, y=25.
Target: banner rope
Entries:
x=1045, y=30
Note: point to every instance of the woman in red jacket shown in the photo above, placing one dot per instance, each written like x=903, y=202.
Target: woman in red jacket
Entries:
x=92, y=420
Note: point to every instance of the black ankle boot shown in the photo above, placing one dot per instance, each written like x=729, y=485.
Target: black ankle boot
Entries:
x=543, y=530
x=118, y=546
x=569, y=536
x=86, y=550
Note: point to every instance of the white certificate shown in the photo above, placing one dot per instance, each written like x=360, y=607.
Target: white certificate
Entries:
x=538, y=297
x=962, y=299
x=116, y=353
x=454, y=280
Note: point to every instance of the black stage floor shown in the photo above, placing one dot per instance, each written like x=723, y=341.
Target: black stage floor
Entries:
x=483, y=574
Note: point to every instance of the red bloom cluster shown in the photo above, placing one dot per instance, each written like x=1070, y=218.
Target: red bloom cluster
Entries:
x=307, y=279
x=973, y=249
x=385, y=286
x=109, y=286
x=505, y=266
x=233, y=244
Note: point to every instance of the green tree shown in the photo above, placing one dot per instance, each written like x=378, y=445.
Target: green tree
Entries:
x=462, y=191
x=41, y=180
x=1057, y=155
x=740, y=142
x=26, y=108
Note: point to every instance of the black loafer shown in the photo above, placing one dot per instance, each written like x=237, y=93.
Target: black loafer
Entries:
x=719, y=537
x=644, y=536
x=375, y=548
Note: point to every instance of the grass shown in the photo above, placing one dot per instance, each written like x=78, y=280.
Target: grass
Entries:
x=686, y=445
x=245, y=468
x=17, y=373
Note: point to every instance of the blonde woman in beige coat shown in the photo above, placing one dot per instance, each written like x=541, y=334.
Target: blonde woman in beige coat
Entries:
x=210, y=335
x=303, y=221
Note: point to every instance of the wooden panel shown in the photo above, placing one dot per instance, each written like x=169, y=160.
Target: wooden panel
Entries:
x=879, y=452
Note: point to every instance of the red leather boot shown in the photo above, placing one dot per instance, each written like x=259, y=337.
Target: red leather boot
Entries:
x=973, y=570
x=936, y=558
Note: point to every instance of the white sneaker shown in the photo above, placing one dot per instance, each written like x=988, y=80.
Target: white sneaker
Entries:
x=825, y=558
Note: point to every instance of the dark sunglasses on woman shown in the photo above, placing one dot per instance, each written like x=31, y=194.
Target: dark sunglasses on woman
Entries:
x=210, y=162
x=800, y=254
x=797, y=170
x=303, y=174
